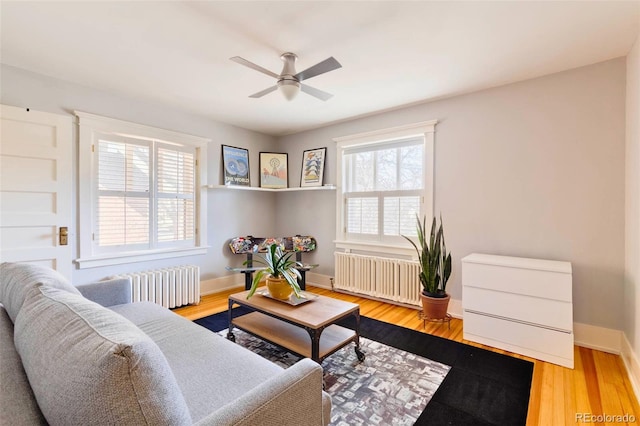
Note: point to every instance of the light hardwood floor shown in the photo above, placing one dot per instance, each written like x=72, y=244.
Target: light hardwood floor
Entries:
x=597, y=385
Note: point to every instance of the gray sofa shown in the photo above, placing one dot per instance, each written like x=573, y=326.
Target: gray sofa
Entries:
x=66, y=359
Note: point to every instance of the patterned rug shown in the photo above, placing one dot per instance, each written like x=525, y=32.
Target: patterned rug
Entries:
x=482, y=388
x=390, y=387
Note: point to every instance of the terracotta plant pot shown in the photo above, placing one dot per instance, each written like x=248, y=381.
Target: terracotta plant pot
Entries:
x=435, y=307
x=279, y=288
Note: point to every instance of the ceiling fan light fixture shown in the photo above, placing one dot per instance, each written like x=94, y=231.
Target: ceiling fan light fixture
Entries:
x=289, y=88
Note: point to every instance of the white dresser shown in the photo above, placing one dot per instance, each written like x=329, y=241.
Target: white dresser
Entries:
x=520, y=305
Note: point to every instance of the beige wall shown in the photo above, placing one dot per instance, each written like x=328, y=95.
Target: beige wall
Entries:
x=532, y=169
x=632, y=197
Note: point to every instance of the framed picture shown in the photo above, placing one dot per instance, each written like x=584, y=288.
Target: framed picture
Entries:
x=313, y=167
x=274, y=170
x=235, y=163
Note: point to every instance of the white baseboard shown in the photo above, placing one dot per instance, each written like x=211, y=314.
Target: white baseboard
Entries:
x=216, y=285
x=632, y=365
x=319, y=280
x=455, y=308
x=598, y=338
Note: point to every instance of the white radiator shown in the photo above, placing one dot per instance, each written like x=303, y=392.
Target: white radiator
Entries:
x=392, y=279
x=169, y=287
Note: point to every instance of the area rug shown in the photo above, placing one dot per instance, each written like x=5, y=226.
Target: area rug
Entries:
x=480, y=388
x=391, y=386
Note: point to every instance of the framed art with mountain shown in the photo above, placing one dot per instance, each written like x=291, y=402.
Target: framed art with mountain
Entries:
x=273, y=170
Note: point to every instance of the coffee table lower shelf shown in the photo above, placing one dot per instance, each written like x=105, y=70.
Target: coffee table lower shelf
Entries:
x=295, y=338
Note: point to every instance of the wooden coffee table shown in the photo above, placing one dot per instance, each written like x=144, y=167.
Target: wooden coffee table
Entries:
x=308, y=329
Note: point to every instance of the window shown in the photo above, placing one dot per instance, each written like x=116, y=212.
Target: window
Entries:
x=141, y=195
x=386, y=179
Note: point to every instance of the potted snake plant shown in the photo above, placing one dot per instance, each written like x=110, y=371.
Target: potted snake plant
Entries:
x=435, y=268
x=281, y=273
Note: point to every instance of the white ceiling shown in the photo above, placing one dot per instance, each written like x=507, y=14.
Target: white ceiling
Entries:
x=393, y=53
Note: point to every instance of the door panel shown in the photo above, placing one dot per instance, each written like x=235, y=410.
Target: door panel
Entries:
x=35, y=187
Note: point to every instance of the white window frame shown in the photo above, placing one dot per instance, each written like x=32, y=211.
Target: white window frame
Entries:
x=91, y=126
x=425, y=129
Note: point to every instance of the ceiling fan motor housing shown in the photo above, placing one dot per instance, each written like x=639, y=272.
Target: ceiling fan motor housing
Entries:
x=289, y=85
x=289, y=69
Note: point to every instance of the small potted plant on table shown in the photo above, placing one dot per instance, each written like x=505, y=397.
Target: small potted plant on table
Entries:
x=281, y=271
x=435, y=269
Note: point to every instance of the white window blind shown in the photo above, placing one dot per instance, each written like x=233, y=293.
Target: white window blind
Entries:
x=385, y=177
x=382, y=188
x=123, y=193
x=146, y=194
x=175, y=193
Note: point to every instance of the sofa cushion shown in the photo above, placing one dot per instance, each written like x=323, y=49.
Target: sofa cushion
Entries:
x=18, y=405
x=17, y=280
x=215, y=372
x=87, y=364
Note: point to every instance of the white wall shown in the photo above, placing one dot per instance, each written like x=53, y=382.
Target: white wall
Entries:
x=632, y=208
x=532, y=169
x=229, y=214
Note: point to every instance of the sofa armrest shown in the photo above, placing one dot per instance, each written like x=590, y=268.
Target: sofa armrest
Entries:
x=294, y=397
x=109, y=292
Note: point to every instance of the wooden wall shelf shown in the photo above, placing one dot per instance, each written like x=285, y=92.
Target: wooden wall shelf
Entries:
x=257, y=188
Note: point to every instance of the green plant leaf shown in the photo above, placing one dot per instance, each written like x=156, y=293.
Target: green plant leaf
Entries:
x=434, y=260
x=278, y=264
x=256, y=280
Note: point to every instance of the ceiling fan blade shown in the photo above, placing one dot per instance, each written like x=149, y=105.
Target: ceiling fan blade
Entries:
x=323, y=96
x=251, y=65
x=264, y=92
x=327, y=65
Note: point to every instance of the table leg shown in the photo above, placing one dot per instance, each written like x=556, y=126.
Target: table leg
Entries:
x=315, y=343
x=230, y=334
x=361, y=355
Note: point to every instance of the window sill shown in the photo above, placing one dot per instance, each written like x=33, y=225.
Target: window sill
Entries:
x=376, y=247
x=138, y=256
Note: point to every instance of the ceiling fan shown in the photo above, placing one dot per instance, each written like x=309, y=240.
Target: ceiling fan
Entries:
x=290, y=82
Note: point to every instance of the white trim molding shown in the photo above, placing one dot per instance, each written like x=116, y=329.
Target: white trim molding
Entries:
x=632, y=364
x=406, y=130
x=227, y=282
x=90, y=126
x=131, y=257
x=598, y=338
x=425, y=129
x=374, y=247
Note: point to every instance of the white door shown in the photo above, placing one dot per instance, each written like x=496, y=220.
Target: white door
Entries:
x=35, y=187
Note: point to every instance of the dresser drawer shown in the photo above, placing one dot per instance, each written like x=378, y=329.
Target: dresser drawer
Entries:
x=513, y=279
x=535, y=310
x=536, y=342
